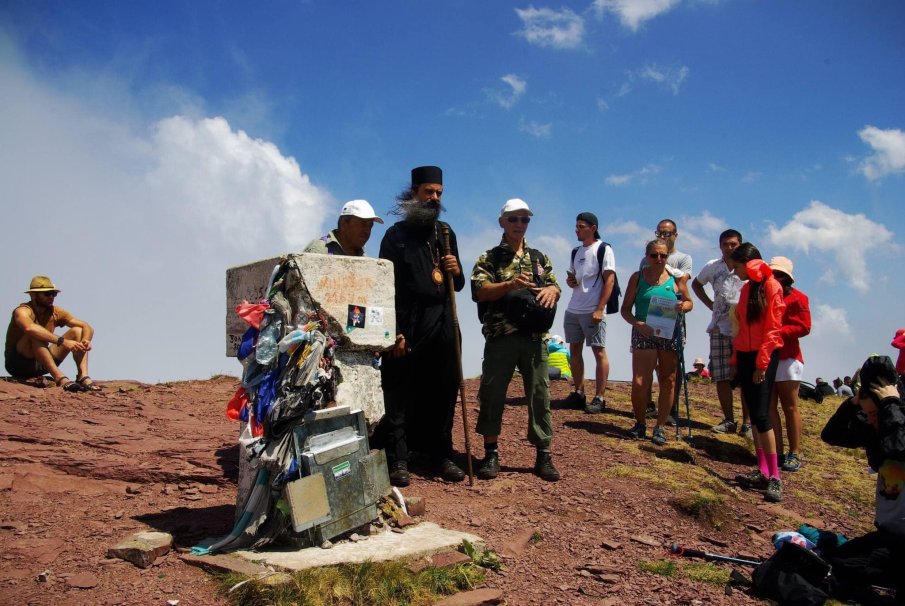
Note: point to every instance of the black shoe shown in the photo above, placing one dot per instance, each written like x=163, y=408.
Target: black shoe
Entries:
x=490, y=466
x=449, y=471
x=399, y=474
x=576, y=400
x=597, y=406
x=544, y=468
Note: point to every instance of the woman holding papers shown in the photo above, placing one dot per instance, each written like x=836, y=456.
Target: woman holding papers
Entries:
x=755, y=358
x=653, y=301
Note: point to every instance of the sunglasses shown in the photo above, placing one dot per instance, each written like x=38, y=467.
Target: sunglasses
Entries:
x=523, y=220
x=658, y=256
x=665, y=234
x=50, y=294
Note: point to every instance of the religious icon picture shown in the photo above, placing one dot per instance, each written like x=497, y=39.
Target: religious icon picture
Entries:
x=356, y=317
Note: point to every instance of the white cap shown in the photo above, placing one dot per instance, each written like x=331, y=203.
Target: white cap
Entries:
x=557, y=339
x=361, y=209
x=515, y=204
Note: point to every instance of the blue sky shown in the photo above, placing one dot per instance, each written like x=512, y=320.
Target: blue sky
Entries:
x=148, y=146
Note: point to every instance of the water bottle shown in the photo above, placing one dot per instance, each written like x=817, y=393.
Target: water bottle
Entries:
x=266, y=347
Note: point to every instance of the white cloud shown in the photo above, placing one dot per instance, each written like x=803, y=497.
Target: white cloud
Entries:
x=602, y=105
x=670, y=77
x=219, y=178
x=667, y=77
x=536, y=129
x=715, y=168
x=517, y=88
x=619, y=180
x=555, y=247
x=641, y=176
x=889, y=152
x=827, y=320
x=161, y=209
x=844, y=241
x=632, y=13
x=545, y=27
x=751, y=176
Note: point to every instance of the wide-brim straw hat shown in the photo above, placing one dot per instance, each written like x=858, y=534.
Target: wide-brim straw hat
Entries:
x=42, y=284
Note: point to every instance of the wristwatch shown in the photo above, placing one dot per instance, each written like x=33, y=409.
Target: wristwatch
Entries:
x=60, y=341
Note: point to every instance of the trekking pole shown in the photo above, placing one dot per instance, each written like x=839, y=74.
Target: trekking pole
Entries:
x=681, y=552
x=680, y=371
x=452, y=302
x=684, y=377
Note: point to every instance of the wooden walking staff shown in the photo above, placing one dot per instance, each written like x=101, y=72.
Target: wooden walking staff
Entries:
x=452, y=301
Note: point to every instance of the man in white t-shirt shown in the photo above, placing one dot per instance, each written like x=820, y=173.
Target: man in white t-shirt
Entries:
x=591, y=279
x=726, y=288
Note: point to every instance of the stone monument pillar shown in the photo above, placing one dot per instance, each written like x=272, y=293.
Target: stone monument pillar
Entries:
x=356, y=296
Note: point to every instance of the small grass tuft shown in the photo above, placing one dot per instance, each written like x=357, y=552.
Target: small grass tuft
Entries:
x=367, y=584
x=704, y=505
x=536, y=537
x=706, y=572
x=664, y=568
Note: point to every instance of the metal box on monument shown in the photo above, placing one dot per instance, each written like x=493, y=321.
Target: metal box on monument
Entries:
x=334, y=443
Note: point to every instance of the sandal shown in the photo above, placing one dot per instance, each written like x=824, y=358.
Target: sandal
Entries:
x=87, y=384
x=67, y=385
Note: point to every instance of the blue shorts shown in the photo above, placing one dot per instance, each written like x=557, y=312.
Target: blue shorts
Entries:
x=578, y=327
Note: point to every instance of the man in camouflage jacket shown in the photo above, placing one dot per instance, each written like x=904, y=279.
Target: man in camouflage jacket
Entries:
x=508, y=267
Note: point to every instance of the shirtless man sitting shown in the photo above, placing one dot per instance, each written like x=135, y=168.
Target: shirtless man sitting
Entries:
x=32, y=348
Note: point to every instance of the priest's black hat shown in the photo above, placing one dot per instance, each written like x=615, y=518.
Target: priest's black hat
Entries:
x=427, y=174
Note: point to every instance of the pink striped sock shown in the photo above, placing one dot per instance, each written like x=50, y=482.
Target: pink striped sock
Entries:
x=773, y=465
x=762, y=462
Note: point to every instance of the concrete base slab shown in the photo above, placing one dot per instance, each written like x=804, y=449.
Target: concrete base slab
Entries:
x=424, y=539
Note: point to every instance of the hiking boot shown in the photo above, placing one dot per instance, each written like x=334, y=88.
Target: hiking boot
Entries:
x=752, y=479
x=449, y=471
x=671, y=421
x=773, y=493
x=544, y=468
x=792, y=462
x=659, y=437
x=490, y=466
x=597, y=406
x=638, y=432
x=651, y=411
x=745, y=430
x=726, y=426
x=399, y=474
x=577, y=400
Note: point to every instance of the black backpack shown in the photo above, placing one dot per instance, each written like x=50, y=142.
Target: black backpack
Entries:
x=792, y=576
x=612, y=304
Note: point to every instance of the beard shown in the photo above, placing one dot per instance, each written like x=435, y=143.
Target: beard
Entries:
x=420, y=214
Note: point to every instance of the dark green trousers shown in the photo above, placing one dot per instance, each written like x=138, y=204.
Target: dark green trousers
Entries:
x=501, y=357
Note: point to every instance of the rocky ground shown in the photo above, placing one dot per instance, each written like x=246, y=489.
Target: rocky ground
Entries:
x=79, y=472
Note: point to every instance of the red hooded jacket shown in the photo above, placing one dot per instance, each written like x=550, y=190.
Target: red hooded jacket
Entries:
x=763, y=336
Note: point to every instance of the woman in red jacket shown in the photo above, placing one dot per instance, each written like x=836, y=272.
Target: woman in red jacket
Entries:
x=755, y=358
x=796, y=323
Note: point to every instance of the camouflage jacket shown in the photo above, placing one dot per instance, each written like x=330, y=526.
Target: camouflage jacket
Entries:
x=500, y=264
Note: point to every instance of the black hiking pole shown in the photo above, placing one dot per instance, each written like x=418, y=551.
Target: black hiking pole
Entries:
x=681, y=380
x=452, y=302
x=681, y=552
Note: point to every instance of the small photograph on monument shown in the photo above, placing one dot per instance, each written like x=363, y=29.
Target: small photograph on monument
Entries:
x=356, y=317
x=375, y=316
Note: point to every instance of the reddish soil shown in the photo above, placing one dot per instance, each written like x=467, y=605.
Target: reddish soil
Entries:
x=79, y=472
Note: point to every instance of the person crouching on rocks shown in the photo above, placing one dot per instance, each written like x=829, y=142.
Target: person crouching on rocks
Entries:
x=32, y=348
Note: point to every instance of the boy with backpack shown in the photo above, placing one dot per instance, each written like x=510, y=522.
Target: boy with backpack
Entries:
x=595, y=292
